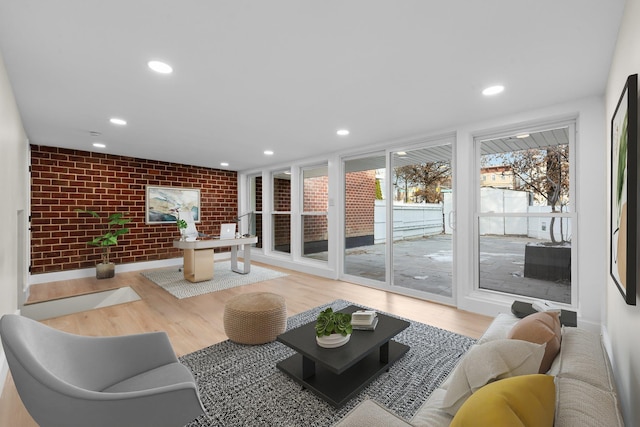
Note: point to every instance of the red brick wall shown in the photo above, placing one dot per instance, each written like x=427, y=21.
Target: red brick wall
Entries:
x=281, y=195
x=316, y=199
x=316, y=194
x=315, y=228
x=360, y=189
x=63, y=180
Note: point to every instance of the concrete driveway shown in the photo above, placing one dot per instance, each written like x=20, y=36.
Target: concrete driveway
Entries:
x=425, y=264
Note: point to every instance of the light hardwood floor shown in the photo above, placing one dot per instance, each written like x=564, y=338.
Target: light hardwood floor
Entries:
x=195, y=323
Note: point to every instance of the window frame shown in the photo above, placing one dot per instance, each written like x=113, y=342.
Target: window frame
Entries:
x=504, y=297
x=304, y=213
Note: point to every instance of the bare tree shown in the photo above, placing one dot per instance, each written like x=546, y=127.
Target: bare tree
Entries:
x=545, y=173
x=428, y=177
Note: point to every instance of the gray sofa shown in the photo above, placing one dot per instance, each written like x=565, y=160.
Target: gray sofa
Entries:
x=585, y=389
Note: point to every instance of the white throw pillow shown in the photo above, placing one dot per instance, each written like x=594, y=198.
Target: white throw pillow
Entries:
x=488, y=362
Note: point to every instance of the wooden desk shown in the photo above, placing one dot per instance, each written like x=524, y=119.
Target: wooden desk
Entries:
x=198, y=256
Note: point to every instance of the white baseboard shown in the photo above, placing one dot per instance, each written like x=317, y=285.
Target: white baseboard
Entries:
x=304, y=266
x=606, y=342
x=120, y=268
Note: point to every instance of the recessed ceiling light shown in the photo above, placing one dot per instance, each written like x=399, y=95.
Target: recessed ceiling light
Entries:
x=493, y=90
x=402, y=153
x=117, y=121
x=99, y=145
x=160, y=67
x=343, y=132
x=224, y=164
x=268, y=153
x=524, y=135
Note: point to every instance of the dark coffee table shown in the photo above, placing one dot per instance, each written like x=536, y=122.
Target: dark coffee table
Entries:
x=338, y=374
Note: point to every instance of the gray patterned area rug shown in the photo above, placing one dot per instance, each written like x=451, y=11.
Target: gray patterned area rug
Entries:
x=241, y=386
x=173, y=281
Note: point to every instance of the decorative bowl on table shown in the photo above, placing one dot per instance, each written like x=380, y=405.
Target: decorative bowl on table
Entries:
x=333, y=340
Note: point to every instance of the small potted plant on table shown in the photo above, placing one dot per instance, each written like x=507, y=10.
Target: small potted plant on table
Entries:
x=113, y=228
x=333, y=329
x=182, y=227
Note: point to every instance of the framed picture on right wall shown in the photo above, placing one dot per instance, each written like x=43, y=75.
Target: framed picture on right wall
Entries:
x=624, y=192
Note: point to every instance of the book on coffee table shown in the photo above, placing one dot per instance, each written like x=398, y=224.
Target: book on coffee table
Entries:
x=364, y=320
x=366, y=327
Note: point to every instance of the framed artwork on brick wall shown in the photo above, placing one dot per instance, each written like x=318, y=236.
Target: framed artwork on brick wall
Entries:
x=624, y=192
x=163, y=204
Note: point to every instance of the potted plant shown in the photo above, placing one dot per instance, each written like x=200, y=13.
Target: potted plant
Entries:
x=182, y=226
x=333, y=329
x=113, y=228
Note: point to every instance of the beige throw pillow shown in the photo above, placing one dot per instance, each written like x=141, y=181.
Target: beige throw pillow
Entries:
x=540, y=328
x=489, y=362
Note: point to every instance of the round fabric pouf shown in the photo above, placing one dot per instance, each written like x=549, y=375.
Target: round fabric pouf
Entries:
x=255, y=318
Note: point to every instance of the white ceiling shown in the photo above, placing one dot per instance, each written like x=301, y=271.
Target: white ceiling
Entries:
x=285, y=75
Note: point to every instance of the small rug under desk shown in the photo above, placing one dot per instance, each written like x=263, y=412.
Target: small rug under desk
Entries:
x=241, y=386
x=172, y=280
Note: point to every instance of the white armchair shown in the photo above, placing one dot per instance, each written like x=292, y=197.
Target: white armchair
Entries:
x=71, y=380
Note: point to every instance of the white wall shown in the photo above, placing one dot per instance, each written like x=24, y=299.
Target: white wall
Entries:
x=621, y=321
x=13, y=193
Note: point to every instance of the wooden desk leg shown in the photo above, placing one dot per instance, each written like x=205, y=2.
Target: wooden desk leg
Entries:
x=246, y=261
x=198, y=264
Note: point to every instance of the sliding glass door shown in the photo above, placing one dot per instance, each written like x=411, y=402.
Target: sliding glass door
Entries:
x=422, y=212
x=398, y=220
x=364, y=221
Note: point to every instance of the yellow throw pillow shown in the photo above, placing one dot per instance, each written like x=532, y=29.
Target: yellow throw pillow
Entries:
x=488, y=362
x=524, y=401
x=540, y=328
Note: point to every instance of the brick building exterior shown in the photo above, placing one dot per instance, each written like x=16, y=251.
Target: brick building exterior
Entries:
x=360, y=190
x=315, y=199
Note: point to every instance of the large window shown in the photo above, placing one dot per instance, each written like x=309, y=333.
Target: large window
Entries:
x=315, y=202
x=526, y=211
x=254, y=221
x=281, y=212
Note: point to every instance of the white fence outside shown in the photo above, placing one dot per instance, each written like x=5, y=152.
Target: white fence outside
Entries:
x=409, y=220
x=427, y=219
x=498, y=200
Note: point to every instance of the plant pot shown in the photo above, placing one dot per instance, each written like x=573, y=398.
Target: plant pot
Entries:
x=333, y=340
x=544, y=262
x=105, y=271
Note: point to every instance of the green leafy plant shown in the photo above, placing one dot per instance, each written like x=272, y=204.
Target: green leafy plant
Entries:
x=181, y=223
x=330, y=322
x=622, y=162
x=114, y=227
